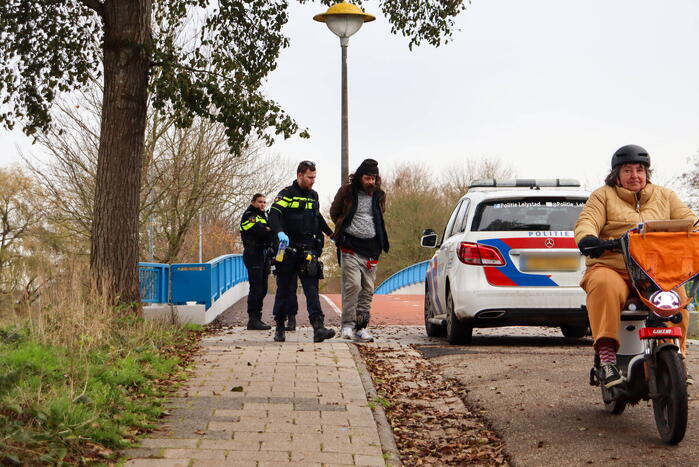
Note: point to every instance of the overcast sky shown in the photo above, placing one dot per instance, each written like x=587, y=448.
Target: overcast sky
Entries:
x=550, y=87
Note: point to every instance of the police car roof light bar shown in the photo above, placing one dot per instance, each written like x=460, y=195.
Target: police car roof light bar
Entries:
x=525, y=183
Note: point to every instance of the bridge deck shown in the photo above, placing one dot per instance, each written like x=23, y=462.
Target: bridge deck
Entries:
x=386, y=310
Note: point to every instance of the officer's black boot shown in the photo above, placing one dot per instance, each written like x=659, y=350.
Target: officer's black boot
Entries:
x=279, y=332
x=291, y=323
x=255, y=323
x=320, y=332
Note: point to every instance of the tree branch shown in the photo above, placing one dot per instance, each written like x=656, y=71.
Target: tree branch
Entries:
x=193, y=70
x=95, y=5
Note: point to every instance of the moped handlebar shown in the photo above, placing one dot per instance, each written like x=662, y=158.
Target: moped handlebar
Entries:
x=611, y=244
x=605, y=245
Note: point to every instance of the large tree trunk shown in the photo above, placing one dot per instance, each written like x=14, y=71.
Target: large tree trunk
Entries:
x=127, y=51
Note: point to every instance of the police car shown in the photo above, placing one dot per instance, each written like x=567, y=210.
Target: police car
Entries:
x=507, y=258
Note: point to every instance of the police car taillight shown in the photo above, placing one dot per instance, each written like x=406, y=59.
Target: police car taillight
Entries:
x=480, y=255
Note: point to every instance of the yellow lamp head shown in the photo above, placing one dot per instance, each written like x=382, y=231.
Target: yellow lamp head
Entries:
x=344, y=19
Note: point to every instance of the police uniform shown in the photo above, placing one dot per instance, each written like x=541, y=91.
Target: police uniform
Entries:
x=257, y=239
x=295, y=211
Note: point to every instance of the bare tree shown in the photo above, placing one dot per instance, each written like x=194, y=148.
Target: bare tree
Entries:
x=417, y=200
x=688, y=183
x=68, y=179
x=20, y=215
x=414, y=202
x=195, y=174
x=186, y=172
x=457, y=178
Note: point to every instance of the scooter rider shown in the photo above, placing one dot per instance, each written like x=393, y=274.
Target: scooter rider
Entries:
x=257, y=239
x=627, y=199
x=296, y=220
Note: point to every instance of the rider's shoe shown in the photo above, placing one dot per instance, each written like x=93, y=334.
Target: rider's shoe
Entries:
x=611, y=375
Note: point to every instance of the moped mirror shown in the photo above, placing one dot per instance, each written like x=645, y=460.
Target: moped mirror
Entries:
x=428, y=239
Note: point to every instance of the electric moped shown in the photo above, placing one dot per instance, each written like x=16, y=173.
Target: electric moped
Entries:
x=661, y=258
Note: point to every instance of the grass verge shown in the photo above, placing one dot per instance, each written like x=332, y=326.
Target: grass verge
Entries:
x=77, y=404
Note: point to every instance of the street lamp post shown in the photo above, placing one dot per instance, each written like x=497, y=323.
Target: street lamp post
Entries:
x=344, y=19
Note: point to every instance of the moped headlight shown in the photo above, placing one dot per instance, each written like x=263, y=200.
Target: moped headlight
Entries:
x=665, y=300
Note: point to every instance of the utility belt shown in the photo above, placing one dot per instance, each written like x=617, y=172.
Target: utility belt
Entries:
x=306, y=261
x=269, y=258
x=255, y=247
x=306, y=241
x=264, y=249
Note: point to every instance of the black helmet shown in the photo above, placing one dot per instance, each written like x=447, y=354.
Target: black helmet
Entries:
x=630, y=154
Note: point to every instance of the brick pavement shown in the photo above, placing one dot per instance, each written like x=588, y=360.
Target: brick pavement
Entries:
x=254, y=402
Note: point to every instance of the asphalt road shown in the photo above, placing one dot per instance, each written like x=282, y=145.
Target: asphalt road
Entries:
x=531, y=383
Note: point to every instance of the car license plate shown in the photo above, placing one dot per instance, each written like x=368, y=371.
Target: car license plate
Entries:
x=550, y=262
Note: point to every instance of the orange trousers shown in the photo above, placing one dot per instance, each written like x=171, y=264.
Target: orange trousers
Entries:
x=607, y=290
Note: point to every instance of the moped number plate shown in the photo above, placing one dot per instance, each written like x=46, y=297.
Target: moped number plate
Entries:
x=660, y=333
x=549, y=262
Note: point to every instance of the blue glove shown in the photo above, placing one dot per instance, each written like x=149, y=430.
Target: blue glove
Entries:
x=284, y=238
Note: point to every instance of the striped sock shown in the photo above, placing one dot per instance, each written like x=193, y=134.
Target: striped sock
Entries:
x=606, y=352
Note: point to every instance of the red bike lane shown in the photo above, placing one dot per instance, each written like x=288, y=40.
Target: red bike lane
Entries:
x=392, y=309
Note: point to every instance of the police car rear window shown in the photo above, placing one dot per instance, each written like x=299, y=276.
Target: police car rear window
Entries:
x=554, y=214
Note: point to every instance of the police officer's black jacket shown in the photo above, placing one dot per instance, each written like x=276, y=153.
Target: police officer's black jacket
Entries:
x=255, y=231
x=296, y=213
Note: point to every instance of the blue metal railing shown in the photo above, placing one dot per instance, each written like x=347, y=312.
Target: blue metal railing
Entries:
x=408, y=276
x=226, y=272
x=154, y=279
x=202, y=283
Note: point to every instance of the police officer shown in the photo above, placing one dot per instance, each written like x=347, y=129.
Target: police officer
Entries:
x=257, y=242
x=297, y=222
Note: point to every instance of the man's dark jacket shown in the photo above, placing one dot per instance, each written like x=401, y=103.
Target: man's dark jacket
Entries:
x=255, y=231
x=295, y=212
x=342, y=211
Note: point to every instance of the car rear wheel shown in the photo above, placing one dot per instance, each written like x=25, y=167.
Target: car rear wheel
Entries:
x=457, y=333
x=432, y=330
x=574, y=332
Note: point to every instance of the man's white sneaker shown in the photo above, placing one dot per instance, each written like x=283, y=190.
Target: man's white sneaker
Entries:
x=347, y=333
x=363, y=336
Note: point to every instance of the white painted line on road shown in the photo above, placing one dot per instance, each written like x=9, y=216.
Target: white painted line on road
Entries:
x=332, y=304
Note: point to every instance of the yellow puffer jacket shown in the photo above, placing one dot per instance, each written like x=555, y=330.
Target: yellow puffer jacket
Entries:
x=611, y=211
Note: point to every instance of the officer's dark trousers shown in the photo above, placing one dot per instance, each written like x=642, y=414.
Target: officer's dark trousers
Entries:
x=292, y=305
x=285, y=298
x=257, y=277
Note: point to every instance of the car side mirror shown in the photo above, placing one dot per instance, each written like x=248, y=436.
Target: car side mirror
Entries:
x=428, y=239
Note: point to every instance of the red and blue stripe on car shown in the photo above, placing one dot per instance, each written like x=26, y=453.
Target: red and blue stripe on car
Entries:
x=509, y=275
